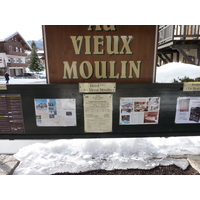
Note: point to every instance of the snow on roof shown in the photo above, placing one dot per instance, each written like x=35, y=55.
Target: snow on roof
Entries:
x=40, y=51
x=5, y=36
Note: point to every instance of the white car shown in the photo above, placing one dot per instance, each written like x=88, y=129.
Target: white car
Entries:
x=41, y=75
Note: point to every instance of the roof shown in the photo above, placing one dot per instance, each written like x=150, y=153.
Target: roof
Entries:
x=5, y=37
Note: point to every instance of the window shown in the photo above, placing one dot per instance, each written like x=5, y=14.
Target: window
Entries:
x=0, y=60
x=16, y=49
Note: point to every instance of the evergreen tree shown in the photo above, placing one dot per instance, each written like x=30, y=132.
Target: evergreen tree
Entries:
x=34, y=62
x=33, y=44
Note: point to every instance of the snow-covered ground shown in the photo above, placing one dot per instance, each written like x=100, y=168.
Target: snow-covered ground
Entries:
x=91, y=154
x=23, y=81
x=48, y=157
x=167, y=73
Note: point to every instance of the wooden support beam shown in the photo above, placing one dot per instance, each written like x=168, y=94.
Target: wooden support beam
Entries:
x=161, y=57
x=167, y=57
x=177, y=56
x=185, y=55
x=198, y=56
x=185, y=46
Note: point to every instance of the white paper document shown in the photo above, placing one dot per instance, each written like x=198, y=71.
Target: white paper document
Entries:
x=187, y=110
x=98, y=112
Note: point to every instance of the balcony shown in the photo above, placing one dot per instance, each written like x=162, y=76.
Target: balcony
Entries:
x=16, y=53
x=170, y=33
x=17, y=64
x=179, y=43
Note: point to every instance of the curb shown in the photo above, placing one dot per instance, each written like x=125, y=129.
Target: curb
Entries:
x=194, y=161
x=8, y=164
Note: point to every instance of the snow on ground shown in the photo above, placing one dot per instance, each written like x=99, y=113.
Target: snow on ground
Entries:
x=23, y=81
x=79, y=155
x=167, y=73
x=48, y=157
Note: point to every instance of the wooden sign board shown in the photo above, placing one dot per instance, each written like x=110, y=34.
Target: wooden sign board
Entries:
x=100, y=53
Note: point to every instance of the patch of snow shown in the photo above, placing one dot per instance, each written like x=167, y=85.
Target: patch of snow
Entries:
x=79, y=155
x=23, y=81
x=167, y=73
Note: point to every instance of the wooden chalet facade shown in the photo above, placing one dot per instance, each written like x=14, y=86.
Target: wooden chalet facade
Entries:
x=13, y=56
x=179, y=43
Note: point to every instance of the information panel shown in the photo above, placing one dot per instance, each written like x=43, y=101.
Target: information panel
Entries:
x=11, y=116
x=60, y=111
x=55, y=112
x=98, y=112
x=188, y=110
x=143, y=110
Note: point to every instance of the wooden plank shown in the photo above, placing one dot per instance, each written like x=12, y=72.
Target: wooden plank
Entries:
x=185, y=55
x=167, y=57
x=161, y=57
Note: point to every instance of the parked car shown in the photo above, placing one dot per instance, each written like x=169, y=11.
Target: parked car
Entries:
x=26, y=75
x=41, y=75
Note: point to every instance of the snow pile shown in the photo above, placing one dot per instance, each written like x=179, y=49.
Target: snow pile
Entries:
x=81, y=155
x=167, y=73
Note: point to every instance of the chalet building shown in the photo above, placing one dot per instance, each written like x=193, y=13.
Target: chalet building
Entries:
x=179, y=43
x=13, y=56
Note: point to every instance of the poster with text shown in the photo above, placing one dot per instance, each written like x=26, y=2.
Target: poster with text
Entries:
x=11, y=114
x=55, y=112
x=187, y=110
x=98, y=112
x=140, y=110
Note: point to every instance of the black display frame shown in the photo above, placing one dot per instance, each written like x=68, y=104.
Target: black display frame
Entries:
x=166, y=127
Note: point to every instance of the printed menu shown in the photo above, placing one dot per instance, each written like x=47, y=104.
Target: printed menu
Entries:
x=98, y=112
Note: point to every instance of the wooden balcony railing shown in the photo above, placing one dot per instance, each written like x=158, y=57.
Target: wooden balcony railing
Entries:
x=17, y=64
x=178, y=32
x=16, y=53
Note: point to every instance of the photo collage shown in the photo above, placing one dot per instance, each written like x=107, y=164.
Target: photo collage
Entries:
x=139, y=110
